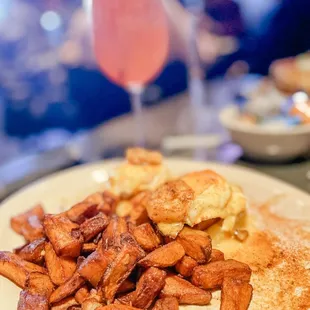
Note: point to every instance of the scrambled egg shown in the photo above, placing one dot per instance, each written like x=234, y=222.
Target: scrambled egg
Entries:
x=143, y=170
x=196, y=197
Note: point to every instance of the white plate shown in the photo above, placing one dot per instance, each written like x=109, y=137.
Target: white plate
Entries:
x=59, y=191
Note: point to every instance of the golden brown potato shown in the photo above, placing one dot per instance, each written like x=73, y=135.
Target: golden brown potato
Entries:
x=138, y=214
x=91, y=304
x=29, y=224
x=216, y=255
x=118, y=271
x=60, y=269
x=65, y=304
x=140, y=156
x=185, y=292
x=165, y=256
x=117, y=307
x=18, y=221
x=32, y=252
x=109, y=203
x=93, y=226
x=89, y=247
x=95, y=265
x=211, y=276
x=112, y=234
x=30, y=301
x=67, y=289
x=82, y=294
x=148, y=287
x=186, y=266
x=126, y=299
x=196, y=243
x=64, y=235
x=82, y=211
x=169, y=203
x=236, y=294
x=126, y=286
x=146, y=237
x=16, y=269
x=38, y=289
x=168, y=303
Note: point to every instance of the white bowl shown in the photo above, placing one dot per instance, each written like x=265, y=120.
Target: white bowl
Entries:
x=262, y=143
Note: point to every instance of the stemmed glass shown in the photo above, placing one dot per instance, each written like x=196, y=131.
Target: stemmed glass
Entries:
x=131, y=42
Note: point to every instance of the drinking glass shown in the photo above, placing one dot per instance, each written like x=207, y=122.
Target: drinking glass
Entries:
x=131, y=42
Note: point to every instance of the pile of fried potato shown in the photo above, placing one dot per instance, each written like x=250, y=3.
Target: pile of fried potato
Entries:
x=89, y=258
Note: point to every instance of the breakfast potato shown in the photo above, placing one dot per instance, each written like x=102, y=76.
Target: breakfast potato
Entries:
x=118, y=271
x=186, y=266
x=95, y=265
x=146, y=237
x=185, y=292
x=91, y=304
x=93, y=226
x=32, y=252
x=216, y=255
x=68, y=288
x=126, y=286
x=82, y=211
x=117, y=307
x=16, y=269
x=37, y=290
x=64, y=235
x=211, y=276
x=236, y=294
x=112, y=234
x=196, y=243
x=167, y=303
x=166, y=256
x=29, y=224
x=60, y=269
x=89, y=247
x=66, y=304
x=148, y=287
x=18, y=221
x=126, y=299
x=138, y=214
x=82, y=294
x=30, y=301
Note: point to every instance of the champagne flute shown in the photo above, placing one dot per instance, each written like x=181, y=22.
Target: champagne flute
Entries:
x=131, y=42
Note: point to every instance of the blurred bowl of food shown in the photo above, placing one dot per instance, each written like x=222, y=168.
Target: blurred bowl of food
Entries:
x=268, y=125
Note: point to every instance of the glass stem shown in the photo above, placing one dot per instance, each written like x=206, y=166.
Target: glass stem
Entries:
x=136, y=91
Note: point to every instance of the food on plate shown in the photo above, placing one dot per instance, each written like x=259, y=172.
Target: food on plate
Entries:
x=144, y=170
x=194, y=199
x=162, y=255
x=236, y=294
x=185, y=292
x=167, y=303
x=186, y=266
x=29, y=224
